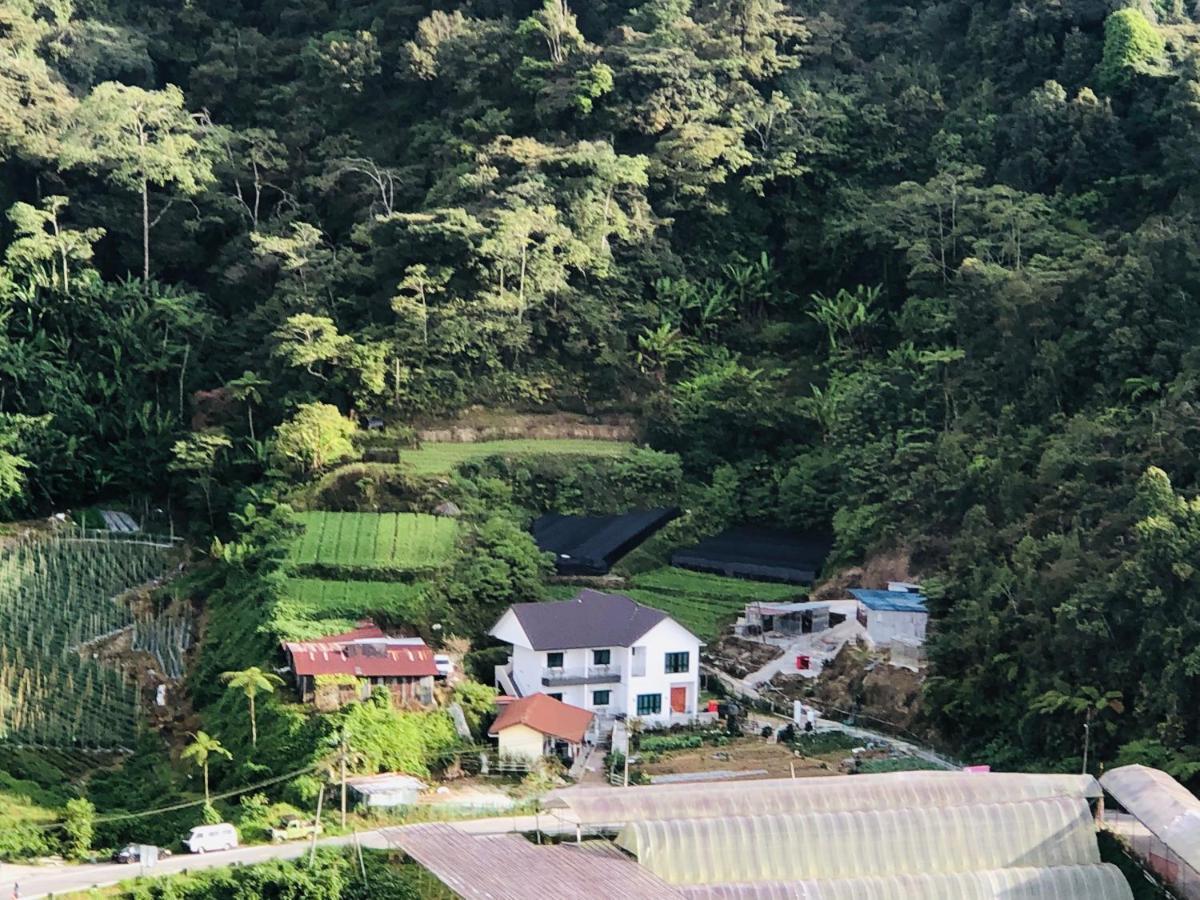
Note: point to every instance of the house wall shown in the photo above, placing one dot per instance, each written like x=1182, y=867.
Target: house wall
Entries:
x=884, y=625
x=668, y=636
x=521, y=741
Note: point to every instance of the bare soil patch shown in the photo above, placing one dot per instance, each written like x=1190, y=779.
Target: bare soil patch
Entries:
x=742, y=755
x=740, y=657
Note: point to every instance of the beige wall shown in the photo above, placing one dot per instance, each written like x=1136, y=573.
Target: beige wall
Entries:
x=521, y=740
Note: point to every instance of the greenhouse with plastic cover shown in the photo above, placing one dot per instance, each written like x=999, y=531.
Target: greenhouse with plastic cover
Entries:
x=901, y=836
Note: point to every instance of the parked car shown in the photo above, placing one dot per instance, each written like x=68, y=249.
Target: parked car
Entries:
x=204, y=838
x=132, y=853
x=292, y=828
x=444, y=664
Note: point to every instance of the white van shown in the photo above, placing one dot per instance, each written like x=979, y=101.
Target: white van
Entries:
x=204, y=838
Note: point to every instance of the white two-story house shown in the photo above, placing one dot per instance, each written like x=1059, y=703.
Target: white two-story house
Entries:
x=604, y=653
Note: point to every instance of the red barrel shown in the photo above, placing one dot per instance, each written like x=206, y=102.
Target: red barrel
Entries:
x=803, y=662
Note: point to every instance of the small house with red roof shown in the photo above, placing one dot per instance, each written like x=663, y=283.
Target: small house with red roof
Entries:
x=538, y=725
x=343, y=668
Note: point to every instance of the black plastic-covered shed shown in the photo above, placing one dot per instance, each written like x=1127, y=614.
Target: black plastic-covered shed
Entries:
x=762, y=554
x=591, y=545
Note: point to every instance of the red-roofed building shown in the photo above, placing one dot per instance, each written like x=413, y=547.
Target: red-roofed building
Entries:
x=539, y=725
x=345, y=667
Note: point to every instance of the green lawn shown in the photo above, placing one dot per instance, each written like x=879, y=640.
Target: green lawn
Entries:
x=393, y=541
x=442, y=459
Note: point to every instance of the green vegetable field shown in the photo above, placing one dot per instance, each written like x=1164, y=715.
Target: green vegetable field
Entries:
x=314, y=607
x=702, y=603
x=56, y=595
x=442, y=459
x=405, y=542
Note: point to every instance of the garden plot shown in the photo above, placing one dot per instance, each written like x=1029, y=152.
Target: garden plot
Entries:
x=313, y=607
x=57, y=596
x=395, y=542
x=702, y=603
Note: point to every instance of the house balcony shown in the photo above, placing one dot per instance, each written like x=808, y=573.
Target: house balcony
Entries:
x=587, y=675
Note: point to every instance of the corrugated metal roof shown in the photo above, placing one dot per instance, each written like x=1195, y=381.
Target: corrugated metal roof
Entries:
x=890, y=601
x=385, y=782
x=592, y=619
x=366, y=652
x=508, y=867
x=545, y=714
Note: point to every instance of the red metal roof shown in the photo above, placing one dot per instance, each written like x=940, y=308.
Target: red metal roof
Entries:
x=366, y=652
x=365, y=629
x=547, y=715
x=508, y=867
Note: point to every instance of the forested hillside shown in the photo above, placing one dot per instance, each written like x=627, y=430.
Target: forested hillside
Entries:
x=927, y=273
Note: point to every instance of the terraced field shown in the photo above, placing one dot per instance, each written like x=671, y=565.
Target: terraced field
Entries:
x=314, y=607
x=398, y=542
x=442, y=459
x=702, y=603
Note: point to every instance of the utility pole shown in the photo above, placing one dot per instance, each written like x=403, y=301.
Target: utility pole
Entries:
x=1087, y=735
x=342, y=764
x=316, y=824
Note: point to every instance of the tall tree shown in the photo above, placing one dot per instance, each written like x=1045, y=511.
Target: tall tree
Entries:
x=252, y=682
x=45, y=248
x=141, y=139
x=202, y=748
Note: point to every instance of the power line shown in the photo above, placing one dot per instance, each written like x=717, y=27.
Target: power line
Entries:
x=118, y=817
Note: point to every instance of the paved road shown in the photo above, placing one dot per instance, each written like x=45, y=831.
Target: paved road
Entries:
x=46, y=881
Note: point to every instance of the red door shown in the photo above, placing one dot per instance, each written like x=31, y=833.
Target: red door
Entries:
x=679, y=699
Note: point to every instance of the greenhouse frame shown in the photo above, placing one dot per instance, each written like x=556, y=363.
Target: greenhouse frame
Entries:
x=840, y=793
x=1158, y=819
x=1102, y=882
x=795, y=847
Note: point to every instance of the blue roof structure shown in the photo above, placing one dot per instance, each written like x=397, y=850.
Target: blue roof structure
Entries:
x=891, y=601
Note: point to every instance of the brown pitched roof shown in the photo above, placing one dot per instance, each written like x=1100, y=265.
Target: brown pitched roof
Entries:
x=547, y=715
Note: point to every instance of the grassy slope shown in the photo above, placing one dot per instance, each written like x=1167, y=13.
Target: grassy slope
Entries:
x=442, y=459
x=702, y=603
x=314, y=608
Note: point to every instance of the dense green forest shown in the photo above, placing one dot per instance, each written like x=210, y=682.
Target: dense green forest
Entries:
x=923, y=273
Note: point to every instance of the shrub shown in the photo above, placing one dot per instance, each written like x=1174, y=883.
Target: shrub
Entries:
x=668, y=742
x=1132, y=46
x=315, y=437
x=79, y=827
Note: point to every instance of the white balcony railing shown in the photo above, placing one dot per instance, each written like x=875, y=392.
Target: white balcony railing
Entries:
x=582, y=675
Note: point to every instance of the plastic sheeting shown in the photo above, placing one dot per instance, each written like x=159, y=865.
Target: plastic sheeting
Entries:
x=797, y=847
x=1103, y=882
x=1168, y=810
x=900, y=790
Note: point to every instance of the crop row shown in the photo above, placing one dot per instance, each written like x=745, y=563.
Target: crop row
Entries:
x=705, y=618
x=56, y=595
x=700, y=584
x=397, y=541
